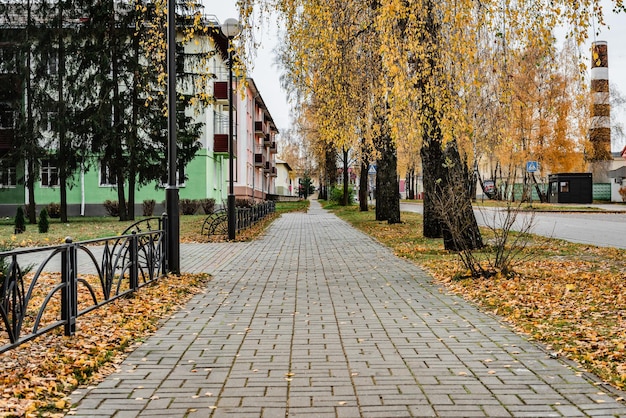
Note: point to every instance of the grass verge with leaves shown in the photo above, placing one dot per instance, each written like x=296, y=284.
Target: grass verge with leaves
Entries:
x=571, y=298
x=38, y=376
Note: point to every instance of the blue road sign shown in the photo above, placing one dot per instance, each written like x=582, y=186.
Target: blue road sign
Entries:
x=532, y=166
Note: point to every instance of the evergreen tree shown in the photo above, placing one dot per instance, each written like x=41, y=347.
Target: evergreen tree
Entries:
x=20, y=221
x=44, y=224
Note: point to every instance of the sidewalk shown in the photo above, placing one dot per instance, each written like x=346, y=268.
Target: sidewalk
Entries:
x=317, y=319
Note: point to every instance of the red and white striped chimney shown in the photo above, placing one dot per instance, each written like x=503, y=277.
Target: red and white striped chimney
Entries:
x=600, y=129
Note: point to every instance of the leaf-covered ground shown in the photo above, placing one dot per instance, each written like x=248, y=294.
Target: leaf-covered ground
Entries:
x=569, y=297
x=37, y=377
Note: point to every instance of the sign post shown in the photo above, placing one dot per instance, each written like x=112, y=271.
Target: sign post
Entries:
x=532, y=166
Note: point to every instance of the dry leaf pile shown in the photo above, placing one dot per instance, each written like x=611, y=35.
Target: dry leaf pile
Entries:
x=37, y=377
x=576, y=308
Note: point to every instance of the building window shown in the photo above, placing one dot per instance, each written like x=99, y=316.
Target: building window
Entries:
x=107, y=175
x=8, y=177
x=7, y=119
x=564, y=187
x=8, y=60
x=180, y=177
x=47, y=121
x=49, y=173
x=52, y=65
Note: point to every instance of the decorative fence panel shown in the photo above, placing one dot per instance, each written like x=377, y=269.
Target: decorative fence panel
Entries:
x=45, y=288
x=217, y=222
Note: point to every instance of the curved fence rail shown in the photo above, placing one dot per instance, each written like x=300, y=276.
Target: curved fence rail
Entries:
x=45, y=288
x=217, y=222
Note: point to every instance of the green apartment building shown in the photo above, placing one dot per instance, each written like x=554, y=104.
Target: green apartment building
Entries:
x=204, y=176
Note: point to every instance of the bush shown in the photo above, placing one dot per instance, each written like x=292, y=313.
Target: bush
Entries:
x=112, y=207
x=208, y=205
x=148, y=207
x=43, y=224
x=188, y=206
x=20, y=221
x=336, y=195
x=54, y=210
x=244, y=203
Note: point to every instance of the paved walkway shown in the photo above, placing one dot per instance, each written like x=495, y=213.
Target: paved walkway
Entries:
x=317, y=319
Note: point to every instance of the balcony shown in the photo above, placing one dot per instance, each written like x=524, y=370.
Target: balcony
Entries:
x=268, y=167
x=273, y=148
x=220, y=144
x=259, y=129
x=259, y=160
x=220, y=91
x=273, y=172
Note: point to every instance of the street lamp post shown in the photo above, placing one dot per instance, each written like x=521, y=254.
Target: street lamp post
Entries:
x=230, y=29
x=171, y=192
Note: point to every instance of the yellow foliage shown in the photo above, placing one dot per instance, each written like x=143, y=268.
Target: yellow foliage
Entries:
x=488, y=70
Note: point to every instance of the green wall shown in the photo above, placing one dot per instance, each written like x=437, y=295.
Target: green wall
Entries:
x=205, y=179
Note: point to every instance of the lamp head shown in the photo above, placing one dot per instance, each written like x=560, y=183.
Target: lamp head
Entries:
x=231, y=28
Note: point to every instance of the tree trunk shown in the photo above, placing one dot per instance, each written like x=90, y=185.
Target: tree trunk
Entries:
x=121, y=198
x=331, y=168
x=387, y=192
x=120, y=158
x=30, y=130
x=61, y=159
x=460, y=229
x=363, y=177
x=432, y=165
x=346, y=178
x=30, y=184
x=131, y=195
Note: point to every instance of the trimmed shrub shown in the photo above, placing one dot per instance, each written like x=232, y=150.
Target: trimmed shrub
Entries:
x=208, y=205
x=148, y=207
x=336, y=195
x=188, y=206
x=112, y=207
x=54, y=210
x=20, y=221
x=244, y=203
x=43, y=224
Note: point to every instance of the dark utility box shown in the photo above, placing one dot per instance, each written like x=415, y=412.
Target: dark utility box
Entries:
x=570, y=188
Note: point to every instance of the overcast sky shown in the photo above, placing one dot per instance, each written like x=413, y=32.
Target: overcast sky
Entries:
x=266, y=74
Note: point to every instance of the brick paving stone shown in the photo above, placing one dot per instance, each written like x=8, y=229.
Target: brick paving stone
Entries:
x=315, y=319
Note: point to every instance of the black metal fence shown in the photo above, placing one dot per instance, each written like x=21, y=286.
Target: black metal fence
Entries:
x=248, y=216
x=217, y=222
x=44, y=288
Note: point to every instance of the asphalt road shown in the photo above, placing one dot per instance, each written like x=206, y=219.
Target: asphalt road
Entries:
x=604, y=229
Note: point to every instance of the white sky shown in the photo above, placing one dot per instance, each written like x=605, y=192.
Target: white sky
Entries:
x=266, y=74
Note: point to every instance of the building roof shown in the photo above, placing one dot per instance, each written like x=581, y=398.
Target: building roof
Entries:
x=279, y=161
x=259, y=100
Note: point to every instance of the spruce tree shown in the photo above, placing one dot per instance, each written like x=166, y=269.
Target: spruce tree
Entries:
x=20, y=221
x=43, y=224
